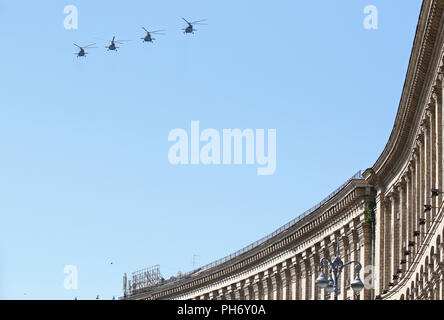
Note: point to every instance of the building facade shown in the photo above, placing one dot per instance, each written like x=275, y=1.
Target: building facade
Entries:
x=387, y=218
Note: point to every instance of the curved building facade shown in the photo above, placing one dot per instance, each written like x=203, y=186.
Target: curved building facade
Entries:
x=387, y=218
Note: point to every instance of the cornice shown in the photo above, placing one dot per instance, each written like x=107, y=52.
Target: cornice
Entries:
x=300, y=234
x=410, y=108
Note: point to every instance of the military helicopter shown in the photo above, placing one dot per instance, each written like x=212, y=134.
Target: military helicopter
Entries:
x=82, y=52
x=148, y=37
x=190, y=27
x=113, y=46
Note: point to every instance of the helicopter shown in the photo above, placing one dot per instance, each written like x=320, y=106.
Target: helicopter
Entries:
x=113, y=46
x=148, y=37
x=82, y=52
x=190, y=27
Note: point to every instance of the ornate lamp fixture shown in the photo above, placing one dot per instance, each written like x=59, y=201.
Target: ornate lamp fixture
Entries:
x=334, y=270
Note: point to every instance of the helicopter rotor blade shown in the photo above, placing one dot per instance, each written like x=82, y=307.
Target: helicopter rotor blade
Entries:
x=145, y=30
x=157, y=31
x=77, y=46
x=186, y=20
x=198, y=21
x=89, y=46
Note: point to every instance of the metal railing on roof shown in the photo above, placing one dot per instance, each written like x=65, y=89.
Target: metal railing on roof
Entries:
x=357, y=175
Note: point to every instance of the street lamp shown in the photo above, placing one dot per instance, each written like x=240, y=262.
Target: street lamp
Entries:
x=334, y=270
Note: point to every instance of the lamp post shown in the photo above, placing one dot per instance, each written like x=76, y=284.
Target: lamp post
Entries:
x=334, y=270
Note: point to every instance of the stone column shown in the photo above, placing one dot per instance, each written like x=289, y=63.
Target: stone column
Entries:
x=346, y=272
x=402, y=220
x=415, y=201
x=356, y=253
x=294, y=278
x=257, y=287
x=418, y=188
x=229, y=294
x=299, y=277
x=212, y=295
x=325, y=253
x=367, y=253
x=433, y=156
x=285, y=279
x=408, y=216
x=265, y=285
x=440, y=127
x=247, y=289
x=316, y=271
x=276, y=282
x=307, y=279
x=428, y=165
x=422, y=165
x=312, y=272
x=437, y=183
x=237, y=291
x=394, y=232
x=387, y=245
x=303, y=278
x=379, y=242
x=438, y=144
x=221, y=294
x=442, y=286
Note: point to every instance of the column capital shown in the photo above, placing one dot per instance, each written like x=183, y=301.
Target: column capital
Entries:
x=293, y=271
x=324, y=243
x=424, y=124
x=393, y=195
x=222, y=291
x=399, y=187
x=419, y=140
x=285, y=265
x=237, y=290
x=430, y=112
x=407, y=176
x=257, y=285
x=276, y=270
x=257, y=278
x=380, y=197
x=265, y=280
x=212, y=295
x=415, y=152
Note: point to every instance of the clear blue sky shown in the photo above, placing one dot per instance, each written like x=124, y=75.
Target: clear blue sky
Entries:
x=84, y=172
